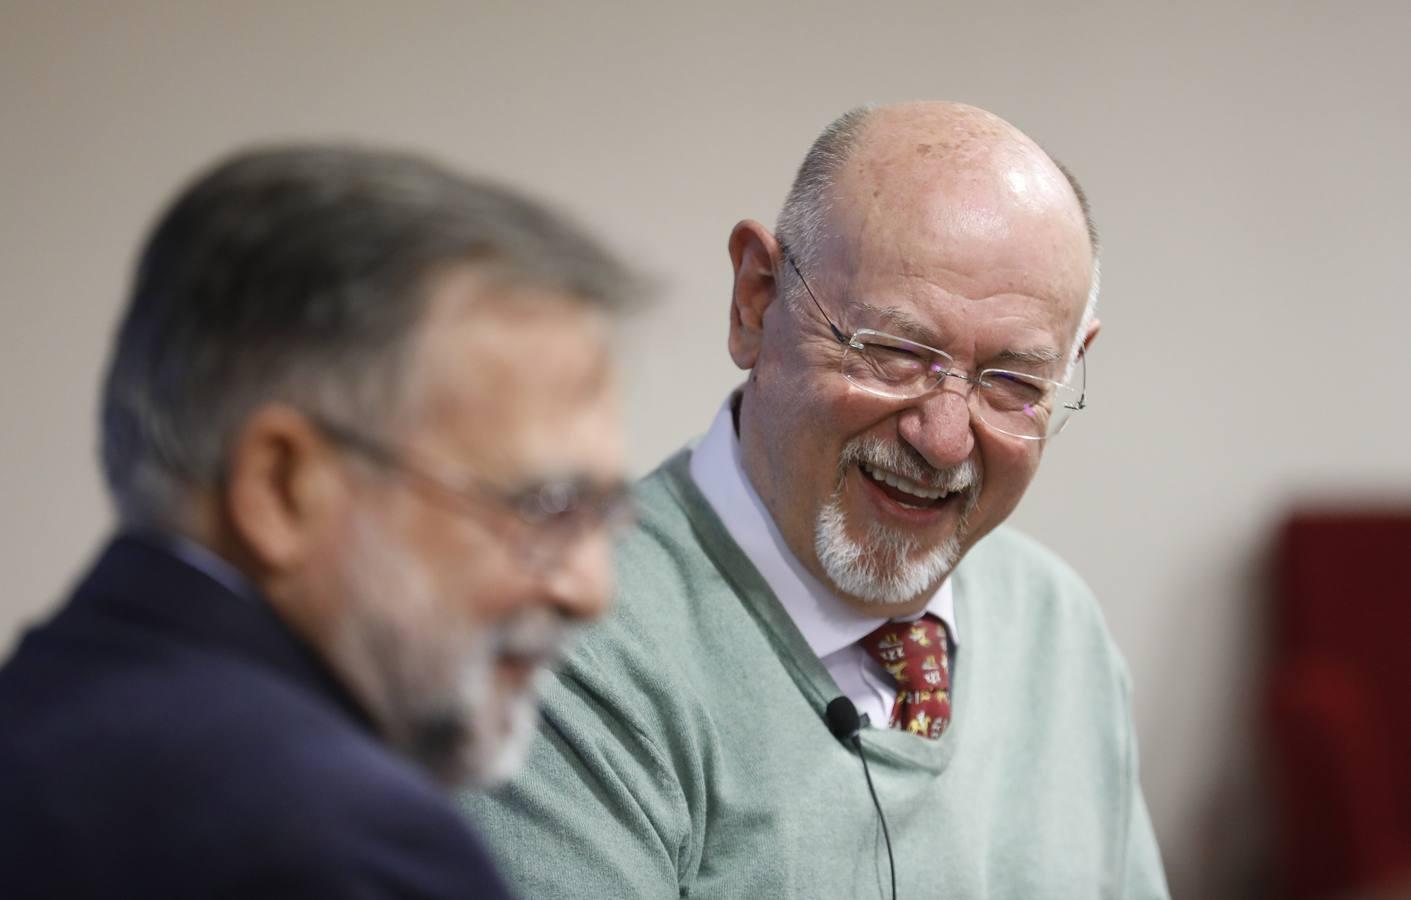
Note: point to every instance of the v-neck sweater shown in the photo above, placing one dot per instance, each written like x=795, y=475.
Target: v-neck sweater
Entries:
x=684, y=750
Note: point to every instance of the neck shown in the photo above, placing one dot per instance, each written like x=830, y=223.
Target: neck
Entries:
x=898, y=610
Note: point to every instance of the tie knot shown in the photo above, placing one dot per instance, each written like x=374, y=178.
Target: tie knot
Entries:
x=916, y=655
x=904, y=642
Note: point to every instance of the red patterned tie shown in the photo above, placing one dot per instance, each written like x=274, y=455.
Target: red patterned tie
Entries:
x=915, y=654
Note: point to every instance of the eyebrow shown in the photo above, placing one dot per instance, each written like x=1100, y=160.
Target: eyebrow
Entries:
x=909, y=326
x=1038, y=356
x=913, y=329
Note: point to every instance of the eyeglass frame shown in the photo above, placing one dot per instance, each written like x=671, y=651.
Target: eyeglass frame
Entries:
x=534, y=508
x=852, y=343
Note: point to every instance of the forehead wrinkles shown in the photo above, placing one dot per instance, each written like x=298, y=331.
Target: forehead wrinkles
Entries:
x=1001, y=223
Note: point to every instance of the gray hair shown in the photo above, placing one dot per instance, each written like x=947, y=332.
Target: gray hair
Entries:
x=803, y=219
x=297, y=274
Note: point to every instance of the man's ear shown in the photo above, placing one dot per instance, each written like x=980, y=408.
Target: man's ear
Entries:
x=281, y=487
x=754, y=253
x=1091, y=336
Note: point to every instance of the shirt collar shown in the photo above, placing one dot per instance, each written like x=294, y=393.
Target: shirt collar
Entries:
x=825, y=621
x=200, y=558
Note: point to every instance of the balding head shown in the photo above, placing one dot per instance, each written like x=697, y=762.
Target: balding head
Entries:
x=925, y=162
x=954, y=128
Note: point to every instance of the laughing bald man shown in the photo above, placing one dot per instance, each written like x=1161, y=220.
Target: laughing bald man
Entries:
x=914, y=332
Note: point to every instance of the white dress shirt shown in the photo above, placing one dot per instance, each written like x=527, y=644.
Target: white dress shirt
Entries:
x=831, y=627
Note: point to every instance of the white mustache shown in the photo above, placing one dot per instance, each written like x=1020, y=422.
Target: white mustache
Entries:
x=963, y=477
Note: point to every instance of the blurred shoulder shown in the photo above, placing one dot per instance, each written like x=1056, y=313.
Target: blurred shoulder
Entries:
x=178, y=767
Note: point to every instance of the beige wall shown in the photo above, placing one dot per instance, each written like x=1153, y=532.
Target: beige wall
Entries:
x=1247, y=164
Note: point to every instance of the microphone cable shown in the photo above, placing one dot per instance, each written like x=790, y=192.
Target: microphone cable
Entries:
x=845, y=724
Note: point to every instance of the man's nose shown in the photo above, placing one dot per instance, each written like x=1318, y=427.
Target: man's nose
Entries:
x=580, y=583
x=939, y=425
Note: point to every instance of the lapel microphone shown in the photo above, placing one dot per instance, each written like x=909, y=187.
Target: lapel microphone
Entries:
x=841, y=716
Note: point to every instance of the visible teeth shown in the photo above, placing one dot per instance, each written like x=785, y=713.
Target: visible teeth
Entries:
x=905, y=485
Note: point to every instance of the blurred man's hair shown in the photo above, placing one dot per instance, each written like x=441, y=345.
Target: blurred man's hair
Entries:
x=297, y=274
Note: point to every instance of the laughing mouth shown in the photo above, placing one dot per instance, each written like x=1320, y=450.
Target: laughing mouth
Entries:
x=908, y=493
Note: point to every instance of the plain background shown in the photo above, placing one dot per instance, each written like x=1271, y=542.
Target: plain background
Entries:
x=1247, y=164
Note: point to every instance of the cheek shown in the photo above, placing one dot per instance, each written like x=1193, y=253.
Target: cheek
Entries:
x=474, y=584
x=804, y=412
x=464, y=563
x=488, y=592
x=803, y=430
x=484, y=581
x=825, y=419
x=1008, y=470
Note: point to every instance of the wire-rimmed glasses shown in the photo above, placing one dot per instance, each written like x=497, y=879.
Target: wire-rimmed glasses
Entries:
x=1017, y=404
x=553, y=515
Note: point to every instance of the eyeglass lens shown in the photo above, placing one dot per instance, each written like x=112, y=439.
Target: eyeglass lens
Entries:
x=1011, y=402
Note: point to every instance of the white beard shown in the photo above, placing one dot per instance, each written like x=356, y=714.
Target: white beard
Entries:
x=425, y=674
x=884, y=568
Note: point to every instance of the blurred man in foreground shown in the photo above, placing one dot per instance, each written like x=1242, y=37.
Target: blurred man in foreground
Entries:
x=914, y=332
x=362, y=432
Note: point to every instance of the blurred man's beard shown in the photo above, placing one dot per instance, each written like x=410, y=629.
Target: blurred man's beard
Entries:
x=890, y=566
x=428, y=677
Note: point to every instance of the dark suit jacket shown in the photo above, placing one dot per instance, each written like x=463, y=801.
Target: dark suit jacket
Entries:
x=165, y=736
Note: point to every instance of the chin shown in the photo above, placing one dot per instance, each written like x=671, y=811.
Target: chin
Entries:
x=494, y=731
x=494, y=760
x=885, y=566
x=894, y=527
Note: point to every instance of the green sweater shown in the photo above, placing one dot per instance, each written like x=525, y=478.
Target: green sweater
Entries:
x=684, y=751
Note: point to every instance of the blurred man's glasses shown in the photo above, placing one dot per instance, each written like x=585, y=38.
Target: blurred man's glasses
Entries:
x=1014, y=403
x=554, y=515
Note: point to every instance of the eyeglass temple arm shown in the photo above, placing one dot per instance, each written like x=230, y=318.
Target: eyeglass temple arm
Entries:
x=1082, y=391
x=352, y=440
x=841, y=338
